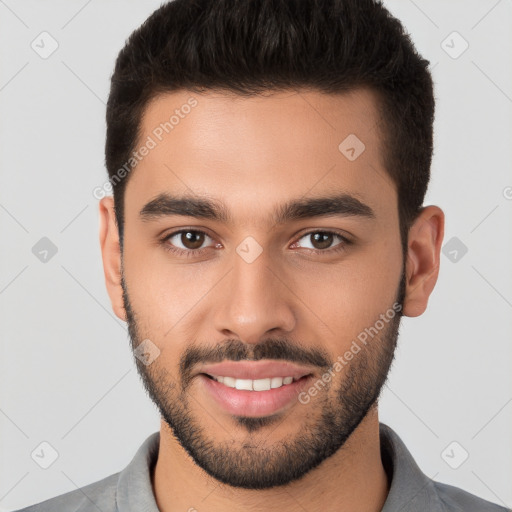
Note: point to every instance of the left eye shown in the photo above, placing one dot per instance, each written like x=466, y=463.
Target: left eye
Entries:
x=322, y=240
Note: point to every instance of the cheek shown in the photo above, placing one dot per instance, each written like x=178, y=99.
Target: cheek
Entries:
x=164, y=296
x=348, y=297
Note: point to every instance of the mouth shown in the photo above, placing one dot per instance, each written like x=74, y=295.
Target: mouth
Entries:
x=254, y=398
x=265, y=384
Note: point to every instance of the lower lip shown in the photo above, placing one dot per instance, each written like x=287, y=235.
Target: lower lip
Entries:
x=241, y=402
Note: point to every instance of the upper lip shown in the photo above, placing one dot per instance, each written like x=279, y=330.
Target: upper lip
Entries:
x=255, y=369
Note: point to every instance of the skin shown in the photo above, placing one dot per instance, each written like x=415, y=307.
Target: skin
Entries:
x=254, y=154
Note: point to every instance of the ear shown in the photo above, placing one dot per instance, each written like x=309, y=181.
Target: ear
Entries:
x=423, y=258
x=111, y=255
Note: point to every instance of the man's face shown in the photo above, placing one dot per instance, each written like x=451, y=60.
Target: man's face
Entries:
x=300, y=291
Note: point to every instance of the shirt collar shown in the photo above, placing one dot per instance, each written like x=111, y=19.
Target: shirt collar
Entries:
x=134, y=489
x=410, y=488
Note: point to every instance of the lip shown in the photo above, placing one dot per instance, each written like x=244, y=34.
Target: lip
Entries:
x=253, y=403
x=256, y=370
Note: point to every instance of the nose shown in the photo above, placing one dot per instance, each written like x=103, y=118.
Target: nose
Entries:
x=255, y=301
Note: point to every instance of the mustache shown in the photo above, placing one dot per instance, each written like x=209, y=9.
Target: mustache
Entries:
x=235, y=350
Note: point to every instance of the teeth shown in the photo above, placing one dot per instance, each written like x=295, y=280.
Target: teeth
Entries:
x=261, y=385
x=276, y=382
x=254, y=385
x=243, y=384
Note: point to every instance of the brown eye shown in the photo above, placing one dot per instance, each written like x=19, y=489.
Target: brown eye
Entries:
x=192, y=239
x=186, y=240
x=322, y=240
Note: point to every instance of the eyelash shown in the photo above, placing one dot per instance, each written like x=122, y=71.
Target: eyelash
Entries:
x=190, y=253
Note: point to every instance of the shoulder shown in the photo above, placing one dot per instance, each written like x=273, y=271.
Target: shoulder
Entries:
x=100, y=495
x=455, y=499
x=411, y=489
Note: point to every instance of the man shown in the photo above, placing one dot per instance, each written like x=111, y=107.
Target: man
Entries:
x=269, y=161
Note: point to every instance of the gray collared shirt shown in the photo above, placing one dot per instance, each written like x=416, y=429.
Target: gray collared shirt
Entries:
x=130, y=490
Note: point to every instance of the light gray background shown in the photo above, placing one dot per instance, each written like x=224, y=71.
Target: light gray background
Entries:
x=66, y=372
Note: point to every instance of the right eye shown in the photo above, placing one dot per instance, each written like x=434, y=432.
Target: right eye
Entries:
x=190, y=240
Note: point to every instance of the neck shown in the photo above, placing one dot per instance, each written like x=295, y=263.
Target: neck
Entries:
x=353, y=478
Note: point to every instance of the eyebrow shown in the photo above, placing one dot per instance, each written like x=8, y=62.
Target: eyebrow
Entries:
x=343, y=205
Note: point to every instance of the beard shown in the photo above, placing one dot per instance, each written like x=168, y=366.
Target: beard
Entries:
x=256, y=465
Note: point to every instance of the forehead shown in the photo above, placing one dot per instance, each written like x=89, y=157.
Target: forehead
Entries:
x=254, y=152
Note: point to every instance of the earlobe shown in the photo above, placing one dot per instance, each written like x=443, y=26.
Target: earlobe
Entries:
x=111, y=255
x=423, y=259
